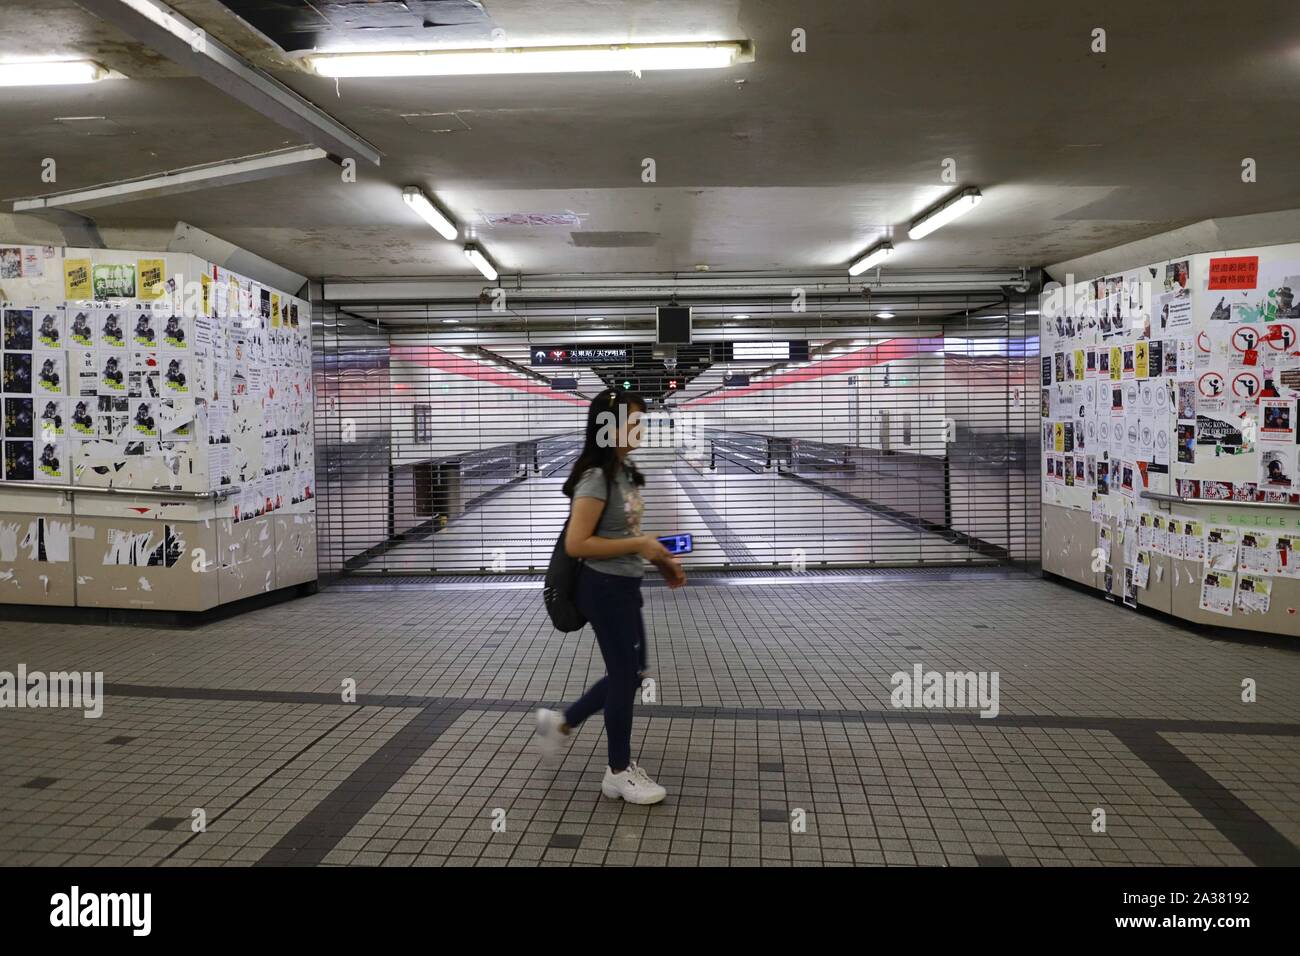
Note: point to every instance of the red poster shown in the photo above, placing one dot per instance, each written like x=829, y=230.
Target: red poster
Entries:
x=1236, y=272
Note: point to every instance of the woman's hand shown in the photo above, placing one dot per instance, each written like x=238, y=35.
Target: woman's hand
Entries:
x=653, y=551
x=673, y=572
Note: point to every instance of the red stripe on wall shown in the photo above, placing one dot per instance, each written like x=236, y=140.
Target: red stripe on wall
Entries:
x=888, y=351
x=432, y=357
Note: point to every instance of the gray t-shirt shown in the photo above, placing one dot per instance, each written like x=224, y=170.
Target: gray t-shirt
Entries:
x=622, y=519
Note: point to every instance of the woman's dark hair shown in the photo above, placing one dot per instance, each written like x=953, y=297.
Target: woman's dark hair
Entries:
x=604, y=456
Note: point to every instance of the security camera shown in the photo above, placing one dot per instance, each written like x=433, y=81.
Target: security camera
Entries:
x=1019, y=288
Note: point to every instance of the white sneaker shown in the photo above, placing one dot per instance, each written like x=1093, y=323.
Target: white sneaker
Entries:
x=633, y=785
x=550, y=740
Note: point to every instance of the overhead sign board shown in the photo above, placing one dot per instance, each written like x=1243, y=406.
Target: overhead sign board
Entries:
x=549, y=355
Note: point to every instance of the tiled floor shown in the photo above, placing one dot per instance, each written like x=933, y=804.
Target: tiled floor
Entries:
x=772, y=728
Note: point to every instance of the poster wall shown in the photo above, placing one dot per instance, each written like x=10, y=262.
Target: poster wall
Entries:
x=135, y=370
x=1181, y=378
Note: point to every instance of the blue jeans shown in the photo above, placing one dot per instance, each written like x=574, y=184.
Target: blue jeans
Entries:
x=612, y=603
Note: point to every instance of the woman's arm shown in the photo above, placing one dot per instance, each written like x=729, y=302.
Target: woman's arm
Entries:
x=580, y=540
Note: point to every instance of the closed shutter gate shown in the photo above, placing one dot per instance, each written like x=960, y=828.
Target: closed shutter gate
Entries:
x=832, y=438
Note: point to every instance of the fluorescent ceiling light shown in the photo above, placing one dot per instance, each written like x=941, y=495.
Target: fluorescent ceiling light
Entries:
x=741, y=315
x=424, y=207
x=451, y=321
x=595, y=318
x=480, y=262
x=608, y=58
x=51, y=73
x=873, y=257
x=944, y=213
x=884, y=315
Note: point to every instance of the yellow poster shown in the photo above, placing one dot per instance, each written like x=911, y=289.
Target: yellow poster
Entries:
x=76, y=279
x=234, y=304
x=1140, y=356
x=1078, y=365
x=206, y=283
x=150, y=284
x=1116, y=363
x=1058, y=436
x=275, y=310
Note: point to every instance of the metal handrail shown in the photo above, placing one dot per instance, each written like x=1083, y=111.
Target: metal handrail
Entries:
x=218, y=495
x=1175, y=499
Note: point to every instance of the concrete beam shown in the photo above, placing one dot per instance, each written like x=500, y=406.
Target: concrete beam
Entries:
x=78, y=230
x=214, y=249
x=187, y=45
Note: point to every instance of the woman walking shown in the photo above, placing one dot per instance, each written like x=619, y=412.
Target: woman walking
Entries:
x=605, y=532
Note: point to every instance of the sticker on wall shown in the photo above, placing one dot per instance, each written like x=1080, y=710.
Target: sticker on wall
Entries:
x=17, y=373
x=17, y=331
x=51, y=375
x=51, y=327
x=83, y=418
x=1259, y=552
x=1279, y=337
x=76, y=280
x=1277, y=421
x=1186, y=433
x=108, y=328
x=177, y=333
x=152, y=278
x=81, y=327
x=144, y=422
x=1216, y=490
x=52, y=462
x=1253, y=593
x=144, y=331
x=112, y=377
x=139, y=549
x=1277, y=468
x=176, y=376
x=1217, y=589
x=113, y=281
x=20, y=457
x=51, y=422
x=1246, y=384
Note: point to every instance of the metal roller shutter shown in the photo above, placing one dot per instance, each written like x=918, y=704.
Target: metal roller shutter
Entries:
x=906, y=438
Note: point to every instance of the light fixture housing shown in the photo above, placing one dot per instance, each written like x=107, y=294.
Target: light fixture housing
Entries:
x=475, y=255
x=423, y=206
x=872, y=257
x=944, y=213
x=51, y=73
x=596, y=58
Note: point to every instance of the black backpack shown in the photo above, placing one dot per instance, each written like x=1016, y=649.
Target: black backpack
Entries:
x=562, y=580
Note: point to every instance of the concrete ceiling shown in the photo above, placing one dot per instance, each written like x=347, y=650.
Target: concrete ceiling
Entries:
x=797, y=161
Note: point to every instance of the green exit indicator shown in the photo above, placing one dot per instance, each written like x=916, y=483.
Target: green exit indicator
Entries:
x=627, y=384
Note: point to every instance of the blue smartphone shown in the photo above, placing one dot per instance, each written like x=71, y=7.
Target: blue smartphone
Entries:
x=678, y=543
